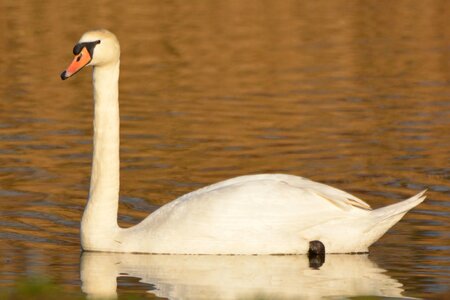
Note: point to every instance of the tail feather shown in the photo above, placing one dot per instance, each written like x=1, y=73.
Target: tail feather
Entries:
x=399, y=208
x=382, y=219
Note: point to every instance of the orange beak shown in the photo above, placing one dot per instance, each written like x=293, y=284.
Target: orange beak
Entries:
x=80, y=60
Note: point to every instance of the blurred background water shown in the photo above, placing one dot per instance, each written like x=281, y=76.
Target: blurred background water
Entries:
x=354, y=94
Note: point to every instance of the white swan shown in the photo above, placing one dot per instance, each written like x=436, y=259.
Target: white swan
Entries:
x=256, y=214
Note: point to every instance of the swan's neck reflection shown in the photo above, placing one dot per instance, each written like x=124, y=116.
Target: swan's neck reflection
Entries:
x=237, y=277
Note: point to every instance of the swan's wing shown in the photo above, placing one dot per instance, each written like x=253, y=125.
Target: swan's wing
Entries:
x=329, y=194
x=342, y=201
x=275, y=195
x=325, y=192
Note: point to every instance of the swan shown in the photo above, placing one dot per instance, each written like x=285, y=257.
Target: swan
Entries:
x=253, y=214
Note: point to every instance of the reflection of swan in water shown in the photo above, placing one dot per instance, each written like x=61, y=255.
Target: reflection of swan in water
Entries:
x=237, y=277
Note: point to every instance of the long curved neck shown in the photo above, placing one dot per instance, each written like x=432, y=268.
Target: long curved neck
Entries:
x=99, y=222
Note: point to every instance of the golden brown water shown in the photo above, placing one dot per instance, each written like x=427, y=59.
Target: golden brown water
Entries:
x=355, y=94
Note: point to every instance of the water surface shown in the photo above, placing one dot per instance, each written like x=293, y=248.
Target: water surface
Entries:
x=350, y=93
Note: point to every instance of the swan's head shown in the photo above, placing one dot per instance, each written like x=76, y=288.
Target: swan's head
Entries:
x=95, y=48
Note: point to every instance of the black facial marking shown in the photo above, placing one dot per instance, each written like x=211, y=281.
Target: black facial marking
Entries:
x=89, y=46
x=77, y=49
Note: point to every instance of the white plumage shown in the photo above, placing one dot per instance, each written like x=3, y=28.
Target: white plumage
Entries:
x=254, y=214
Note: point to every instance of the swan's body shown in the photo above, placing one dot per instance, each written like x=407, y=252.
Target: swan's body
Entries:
x=256, y=214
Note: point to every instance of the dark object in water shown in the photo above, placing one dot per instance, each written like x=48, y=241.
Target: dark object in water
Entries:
x=316, y=254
